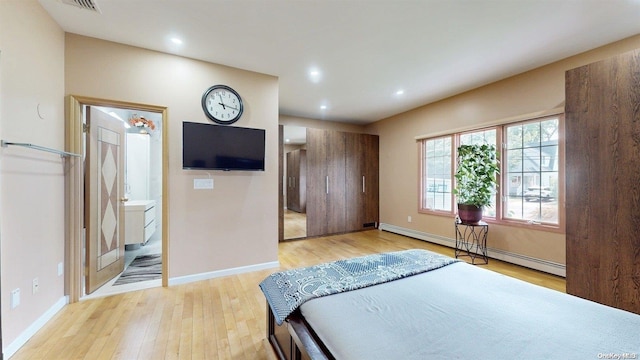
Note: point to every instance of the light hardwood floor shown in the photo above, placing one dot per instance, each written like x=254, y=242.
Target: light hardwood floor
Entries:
x=222, y=318
x=295, y=225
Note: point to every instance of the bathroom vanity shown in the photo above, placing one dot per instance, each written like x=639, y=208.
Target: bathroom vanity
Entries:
x=140, y=221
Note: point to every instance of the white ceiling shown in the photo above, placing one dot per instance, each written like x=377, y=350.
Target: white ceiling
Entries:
x=366, y=50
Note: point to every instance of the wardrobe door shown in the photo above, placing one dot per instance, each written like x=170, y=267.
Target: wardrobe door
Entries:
x=326, y=211
x=371, y=183
x=335, y=182
x=355, y=181
x=317, y=182
x=361, y=181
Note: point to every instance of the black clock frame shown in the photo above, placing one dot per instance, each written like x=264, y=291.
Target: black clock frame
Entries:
x=214, y=119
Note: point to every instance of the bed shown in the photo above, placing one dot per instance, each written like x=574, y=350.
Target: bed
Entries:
x=371, y=308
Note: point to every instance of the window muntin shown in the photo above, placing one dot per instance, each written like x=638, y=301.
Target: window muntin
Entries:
x=530, y=166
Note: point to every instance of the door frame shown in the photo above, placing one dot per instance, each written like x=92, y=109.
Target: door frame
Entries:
x=74, y=189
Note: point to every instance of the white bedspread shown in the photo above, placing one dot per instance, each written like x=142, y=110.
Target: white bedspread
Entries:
x=465, y=312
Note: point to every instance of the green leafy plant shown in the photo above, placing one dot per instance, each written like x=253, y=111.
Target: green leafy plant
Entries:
x=476, y=175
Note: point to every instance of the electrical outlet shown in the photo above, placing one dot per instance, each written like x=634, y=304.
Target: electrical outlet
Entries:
x=15, y=298
x=35, y=287
x=409, y=218
x=60, y=269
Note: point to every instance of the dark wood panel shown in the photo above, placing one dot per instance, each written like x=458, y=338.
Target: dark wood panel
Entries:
x=290, y=195
x=301, y=180
x=603, y=181
x=280, y=183
x=355, y=201
x=371, y=209
x=336, y=172
x=361, y=181
x=296, y=180
x=338, y=165
x=316, y=182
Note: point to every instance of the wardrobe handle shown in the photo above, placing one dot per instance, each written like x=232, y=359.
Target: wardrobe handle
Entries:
x=294, y=182
x=362, y=183
x=327, y=181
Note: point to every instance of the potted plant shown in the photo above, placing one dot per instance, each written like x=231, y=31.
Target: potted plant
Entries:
x=476, y=180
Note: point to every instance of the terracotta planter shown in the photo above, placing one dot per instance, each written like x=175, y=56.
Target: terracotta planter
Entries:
x=469, y=213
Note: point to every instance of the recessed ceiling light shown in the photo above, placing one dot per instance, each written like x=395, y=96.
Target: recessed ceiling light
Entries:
x=323, y=107
x=176, y=41
x=399, y=92
x=287, y=140
x=315, y=75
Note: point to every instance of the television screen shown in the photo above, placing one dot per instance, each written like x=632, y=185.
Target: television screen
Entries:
x=221, y=147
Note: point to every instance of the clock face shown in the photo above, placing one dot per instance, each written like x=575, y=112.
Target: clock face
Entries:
x=222, y=104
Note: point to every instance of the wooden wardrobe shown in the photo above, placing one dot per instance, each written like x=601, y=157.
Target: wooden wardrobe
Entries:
x=297, y=180
x=603, y=181
x=342, y=182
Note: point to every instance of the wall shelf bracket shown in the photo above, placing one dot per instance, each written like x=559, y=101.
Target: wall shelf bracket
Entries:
x=4, y=143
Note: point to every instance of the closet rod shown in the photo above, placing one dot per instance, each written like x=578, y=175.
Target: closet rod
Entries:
x=38, y=147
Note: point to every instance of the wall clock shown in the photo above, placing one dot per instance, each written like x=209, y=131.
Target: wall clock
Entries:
x=222, y=104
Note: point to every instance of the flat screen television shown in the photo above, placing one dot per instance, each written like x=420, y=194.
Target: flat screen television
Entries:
x=222, y=147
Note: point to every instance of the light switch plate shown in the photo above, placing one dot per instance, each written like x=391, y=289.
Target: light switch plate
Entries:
x=15, y=298
x=203, y=184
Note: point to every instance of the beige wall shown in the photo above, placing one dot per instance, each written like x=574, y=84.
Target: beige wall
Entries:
x=320, y=124
x=234, y=225
x=534, y=92
x=31, y=182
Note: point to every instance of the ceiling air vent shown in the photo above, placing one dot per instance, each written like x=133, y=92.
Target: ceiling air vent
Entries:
x=84, y=4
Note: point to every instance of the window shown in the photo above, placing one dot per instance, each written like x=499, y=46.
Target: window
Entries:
x=436, y=174
x=531, y=170
x=481, y=137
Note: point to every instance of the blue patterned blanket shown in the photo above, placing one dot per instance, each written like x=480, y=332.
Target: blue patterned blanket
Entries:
x=287, y=290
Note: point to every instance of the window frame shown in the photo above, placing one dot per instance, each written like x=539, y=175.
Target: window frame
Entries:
x=422, y=150
x=502, y=194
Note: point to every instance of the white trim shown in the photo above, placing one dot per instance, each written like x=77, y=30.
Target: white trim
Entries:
x=518, y=259
x=219, y=273
x=31, y=330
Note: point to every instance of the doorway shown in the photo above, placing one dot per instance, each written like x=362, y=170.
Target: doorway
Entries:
x=144, y=190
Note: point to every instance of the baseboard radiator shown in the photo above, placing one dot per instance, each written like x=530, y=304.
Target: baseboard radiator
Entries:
x=518, y=259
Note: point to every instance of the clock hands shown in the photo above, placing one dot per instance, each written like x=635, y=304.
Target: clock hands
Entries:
x=224, y=106
x=221, y=103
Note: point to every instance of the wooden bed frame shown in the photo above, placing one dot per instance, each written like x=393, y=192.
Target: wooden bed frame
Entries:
x=294, y=339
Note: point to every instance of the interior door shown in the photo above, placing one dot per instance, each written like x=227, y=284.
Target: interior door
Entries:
x=104, y=198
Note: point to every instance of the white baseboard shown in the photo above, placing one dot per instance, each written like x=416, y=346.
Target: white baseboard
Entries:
x=518, y=259
x=226, y=272
x=22, y=339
